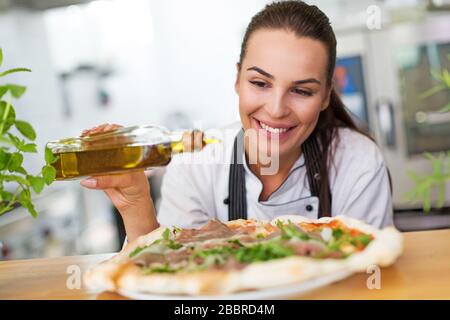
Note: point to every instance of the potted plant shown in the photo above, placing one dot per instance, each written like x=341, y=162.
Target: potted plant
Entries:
x=13, y=149
x=425, y=184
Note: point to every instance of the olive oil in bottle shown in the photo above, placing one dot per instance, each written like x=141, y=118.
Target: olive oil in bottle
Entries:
x=121, y=150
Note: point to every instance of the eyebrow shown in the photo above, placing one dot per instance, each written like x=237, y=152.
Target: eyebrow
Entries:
x=268, y=75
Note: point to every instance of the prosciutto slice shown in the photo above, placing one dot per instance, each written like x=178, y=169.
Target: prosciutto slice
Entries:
x=214, y=229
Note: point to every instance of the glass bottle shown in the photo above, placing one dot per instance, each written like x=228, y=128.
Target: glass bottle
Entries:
x=121, y=150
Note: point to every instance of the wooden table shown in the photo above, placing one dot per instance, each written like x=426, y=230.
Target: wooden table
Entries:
x=422, y=272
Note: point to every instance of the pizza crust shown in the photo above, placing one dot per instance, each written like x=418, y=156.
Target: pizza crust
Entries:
x=119, y=273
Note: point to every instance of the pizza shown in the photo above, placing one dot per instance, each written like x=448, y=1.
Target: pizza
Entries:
x=241, y=255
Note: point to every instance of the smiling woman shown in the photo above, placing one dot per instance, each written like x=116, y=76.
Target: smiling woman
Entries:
x=326, y=165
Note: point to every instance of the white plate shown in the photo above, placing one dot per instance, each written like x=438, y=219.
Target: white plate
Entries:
x=270, y=293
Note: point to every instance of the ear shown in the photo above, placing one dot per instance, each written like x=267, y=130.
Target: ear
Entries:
x=238, y=72
x=326, y=102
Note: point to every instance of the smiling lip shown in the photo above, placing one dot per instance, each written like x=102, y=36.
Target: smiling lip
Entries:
x=281, y=135
x=276, y=125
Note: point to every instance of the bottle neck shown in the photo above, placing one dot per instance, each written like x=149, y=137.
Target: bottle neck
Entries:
x=190, y=141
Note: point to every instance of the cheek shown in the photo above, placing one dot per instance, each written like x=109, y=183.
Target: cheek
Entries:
x=307, y=110
x=249, y=103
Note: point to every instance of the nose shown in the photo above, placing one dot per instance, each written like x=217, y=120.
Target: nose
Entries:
x=277, y=107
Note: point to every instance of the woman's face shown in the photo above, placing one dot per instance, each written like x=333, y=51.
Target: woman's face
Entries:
x=282, y=88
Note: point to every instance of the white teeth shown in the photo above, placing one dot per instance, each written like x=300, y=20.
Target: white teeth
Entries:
x=272, y=130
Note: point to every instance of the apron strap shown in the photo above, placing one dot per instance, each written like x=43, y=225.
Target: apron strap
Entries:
x=237, y=199
x=237, y=195
x=313, y=158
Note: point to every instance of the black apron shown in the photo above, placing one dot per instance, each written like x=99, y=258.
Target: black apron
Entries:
x=237, y=198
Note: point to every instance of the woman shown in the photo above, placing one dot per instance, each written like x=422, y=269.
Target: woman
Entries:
x=326, y=165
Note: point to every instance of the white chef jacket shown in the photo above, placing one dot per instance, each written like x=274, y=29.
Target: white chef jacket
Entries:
x=194, y=186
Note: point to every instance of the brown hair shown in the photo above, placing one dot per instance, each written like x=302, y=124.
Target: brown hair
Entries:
x=309, y=21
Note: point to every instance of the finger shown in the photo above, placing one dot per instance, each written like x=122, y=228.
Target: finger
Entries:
x=109, y=181
x=198, y=140
x=111, y=127
x=106, y=182
x=100, y=128
x=91, y=130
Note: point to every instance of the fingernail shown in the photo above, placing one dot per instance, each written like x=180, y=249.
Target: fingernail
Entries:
x=89, y=183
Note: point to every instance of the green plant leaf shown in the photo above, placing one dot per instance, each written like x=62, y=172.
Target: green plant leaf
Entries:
x=7, y=116
x=29, y=147
x=49, y=174
x=4, y=159
x=20, y=144
x=4, y=73
x=1, y=56
x=21, y=170
x=16, y=90
x=3, y=89
x=16, y=142
x=49, y=156
x=37, y=183
x=436, y=75
x=14, y=177
x=446, y=78
x=25, y=201
x=424, y=185
x=15, y=161
x=6, y=196
x=446, y=108
x=25, y=129
x=432, y=91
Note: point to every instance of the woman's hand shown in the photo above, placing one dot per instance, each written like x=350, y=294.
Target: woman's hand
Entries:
x=129, y=192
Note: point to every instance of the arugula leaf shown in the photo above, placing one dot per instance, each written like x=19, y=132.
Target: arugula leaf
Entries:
x=260, y=252
x=263, y=252
x=236, y=242
x=338, y=233
x=174, y=245
x=362, y=239
x=165, y=268
x=290, y=231
x=166, y=234
x=136, y=251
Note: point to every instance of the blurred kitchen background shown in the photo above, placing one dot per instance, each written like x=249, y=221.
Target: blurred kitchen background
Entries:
x=172, y=62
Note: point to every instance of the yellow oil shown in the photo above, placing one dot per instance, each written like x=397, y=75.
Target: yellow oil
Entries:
x=71, y=165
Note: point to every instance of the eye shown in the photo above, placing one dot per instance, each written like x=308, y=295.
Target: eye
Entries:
x=302, y=92
x=259, y=84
